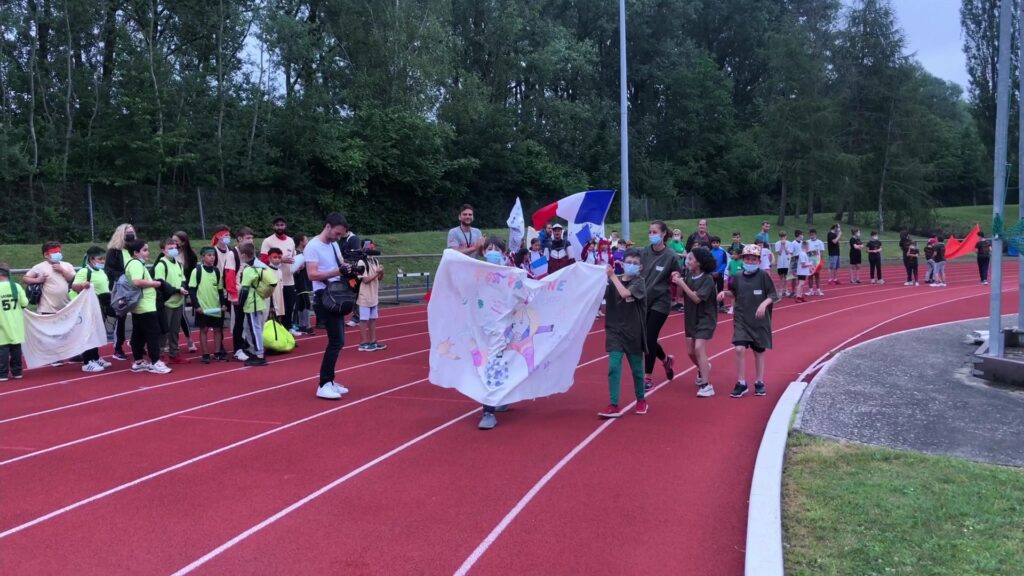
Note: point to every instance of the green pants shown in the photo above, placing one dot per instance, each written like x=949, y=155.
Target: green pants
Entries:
x=636, y=366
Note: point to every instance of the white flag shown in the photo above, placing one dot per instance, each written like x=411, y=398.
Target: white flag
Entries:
x=499, y=337
x=76, y=328
x=516, y=227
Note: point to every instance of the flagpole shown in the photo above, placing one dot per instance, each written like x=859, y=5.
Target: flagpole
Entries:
x=623, y=122
x=995, y=333
x=1020, y=189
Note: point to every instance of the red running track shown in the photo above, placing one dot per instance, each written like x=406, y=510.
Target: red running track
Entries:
x=225, y=470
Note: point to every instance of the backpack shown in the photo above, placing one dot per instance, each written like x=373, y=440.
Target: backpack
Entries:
x=266, y=282
x=125, y=295
x=14, y=294
x=34, y=293
x=276, y=338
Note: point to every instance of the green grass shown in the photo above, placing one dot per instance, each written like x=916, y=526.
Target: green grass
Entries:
x=856, y=510
x=433, y=242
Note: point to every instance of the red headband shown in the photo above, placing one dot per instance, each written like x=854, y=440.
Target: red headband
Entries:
x=219, y=235
x=52, y=250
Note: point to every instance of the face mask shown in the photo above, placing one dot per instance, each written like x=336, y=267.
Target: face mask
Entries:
x=97, y=265
x=129, y=237
x=493, y=256
x=655, y=239
x=631, y=269
x=172, y=253
x=749, y=268
x=225, y=240
x=677, y=237
x=874, y=237
x=56, y=257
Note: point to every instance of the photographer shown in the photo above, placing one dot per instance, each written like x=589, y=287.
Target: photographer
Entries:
x=324, y=264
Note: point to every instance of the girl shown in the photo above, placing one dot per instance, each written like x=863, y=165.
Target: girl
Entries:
x=117, y=258
x=187, y=259
x=91, y=273
x=912, y=254
x=803, y=270
x=701, y=315
x=624, y=331
x=145, y=323
x=657, y=263
x=754, y=293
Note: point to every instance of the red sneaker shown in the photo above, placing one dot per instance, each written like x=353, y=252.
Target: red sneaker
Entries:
x=612, y=411
x=641, y=407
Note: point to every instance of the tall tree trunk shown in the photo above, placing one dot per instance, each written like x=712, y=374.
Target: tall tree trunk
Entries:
x=782, y=203
x=153, y=32
x=109, y=43
x=885, y=169
x=67, y=93
x=33, y=55
x=256, y=108
x=810, y=204
x=220, y=95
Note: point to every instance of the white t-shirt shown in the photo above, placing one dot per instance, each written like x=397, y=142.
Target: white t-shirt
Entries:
x=326, y=257
x=287, y=247
x=55, y=289
x=783, y=251
x=766, y=258
x=804, y=265
x=816, y=246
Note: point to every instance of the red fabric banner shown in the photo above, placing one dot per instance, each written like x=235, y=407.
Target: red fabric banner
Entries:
x=955, y=248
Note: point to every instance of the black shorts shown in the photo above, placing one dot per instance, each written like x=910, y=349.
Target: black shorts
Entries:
x=204, y=321
x=749, y=344
x=801, y=277
x=783, y=272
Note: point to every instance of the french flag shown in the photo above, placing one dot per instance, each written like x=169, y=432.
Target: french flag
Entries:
x=585, y=213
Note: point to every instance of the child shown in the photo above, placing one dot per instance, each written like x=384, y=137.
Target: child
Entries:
x=92, y=273
x=274, y=258
x=737, y=243
x=13, y=300
x=795, y=249
x=856, y=246
x=912, y=254
x=303, y=290
x=782, y=256
x=875, y=258
x=939, y=259
x=168, y=270
x=735, y=267
x=767, y=258
x=701, y=315
x=754, y=293
x=206, y=291
x=625, y=331
x=254, y=307
x=816, y=253
x=538, y=260
x=803, y=270
x=370, y=272
x=929, y=256
x=722, y=263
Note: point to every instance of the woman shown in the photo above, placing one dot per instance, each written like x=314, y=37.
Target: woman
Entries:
x=187, y=259
x=117, y=257
x=658, y=262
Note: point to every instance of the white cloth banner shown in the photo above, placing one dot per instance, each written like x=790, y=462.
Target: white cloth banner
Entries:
x=76, y=328
x=516, y=227
x=499, y=337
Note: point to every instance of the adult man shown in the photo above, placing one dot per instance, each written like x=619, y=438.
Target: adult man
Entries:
x=700, y=237
x=762, y=236
x=286, y=244
x=324, y=264
x=464, y=237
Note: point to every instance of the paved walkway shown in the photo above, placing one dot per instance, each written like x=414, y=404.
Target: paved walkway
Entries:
x=915, y=391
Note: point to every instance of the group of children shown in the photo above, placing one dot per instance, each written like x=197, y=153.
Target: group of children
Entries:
x=159, y=294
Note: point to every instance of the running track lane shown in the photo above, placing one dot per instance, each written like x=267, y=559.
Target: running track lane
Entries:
x=533, y=419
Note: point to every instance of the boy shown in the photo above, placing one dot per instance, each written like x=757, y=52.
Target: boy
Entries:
x=803, y=270
x=92, y=273
x=254, y=306
x=938, y=265
x=206, y=290
x=168, y=270
x=625, y=332
x=856, y=246
x=735, y=267
x=767, y=258
x=782, y=256
x=816, y=253
x=754, y=293
x=875, y=258
x=722, y=262
x=275, y=258
x=370, y=272
x=737, y=243
x=13, y=301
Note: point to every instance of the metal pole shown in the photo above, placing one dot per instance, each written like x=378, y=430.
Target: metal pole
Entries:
x=92, y=218
x=1020, y=184
x=995, y=335
x=202, y=217
x=623, y=121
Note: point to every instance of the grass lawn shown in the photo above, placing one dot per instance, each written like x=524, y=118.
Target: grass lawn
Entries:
x=432, y=243
x=855, y=510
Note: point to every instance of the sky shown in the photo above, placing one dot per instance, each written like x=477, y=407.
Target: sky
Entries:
x=932, y=29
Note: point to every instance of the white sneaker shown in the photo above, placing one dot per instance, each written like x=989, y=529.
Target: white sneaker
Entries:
x=159, y=367
x=339, y=388
x=917, y=284
x=872, y=280
x=880, y=281
x=985, y=283
x=104, y=363
x=908, y=283
x=92, y=367
x=934, y=285
x=241, y=356
x=295, y=332
x=327, y=392
x=820, y=293
x=706, y=391
x=141, y=366
x=351, y=323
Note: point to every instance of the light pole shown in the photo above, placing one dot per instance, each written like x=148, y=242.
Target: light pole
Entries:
x=995, y=336
x=623, y=122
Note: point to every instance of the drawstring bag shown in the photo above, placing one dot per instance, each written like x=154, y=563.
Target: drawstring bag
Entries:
x=276, y=338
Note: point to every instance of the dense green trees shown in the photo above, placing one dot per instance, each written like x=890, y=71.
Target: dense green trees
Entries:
x=396, y=111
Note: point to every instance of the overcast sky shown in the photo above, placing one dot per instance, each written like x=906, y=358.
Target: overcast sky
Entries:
x=932, y=28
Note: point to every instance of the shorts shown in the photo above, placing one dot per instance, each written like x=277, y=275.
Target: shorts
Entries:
x=368, y=313
x=749, y=344
x=204, y=321
x=783, y=272
x=833, y=262
x=801, y=277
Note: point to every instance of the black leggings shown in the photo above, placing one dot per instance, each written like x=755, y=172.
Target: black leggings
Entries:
x=875, y=262
x=911, y=265
x=238, y=328
x=655, y=320
x=119, y=322
x=983, y=268
x=146, y=335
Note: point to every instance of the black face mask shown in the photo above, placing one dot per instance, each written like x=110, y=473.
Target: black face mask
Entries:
x=129, y=237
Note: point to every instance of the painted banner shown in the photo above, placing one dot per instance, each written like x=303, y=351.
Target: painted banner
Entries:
x=76, y=328
x=499, y=337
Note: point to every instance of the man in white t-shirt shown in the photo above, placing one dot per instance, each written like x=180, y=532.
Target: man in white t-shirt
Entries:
x=324, y=264
x=464, y=237
x=286, y=244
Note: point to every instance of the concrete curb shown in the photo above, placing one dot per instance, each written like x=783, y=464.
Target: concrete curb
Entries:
x=764, y=515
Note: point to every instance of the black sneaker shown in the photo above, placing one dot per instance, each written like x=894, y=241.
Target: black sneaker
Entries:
x=739, y=391
x=256, y=361
x=221, y=357
x=119, y=355
x=206, y=358
x=759, y=389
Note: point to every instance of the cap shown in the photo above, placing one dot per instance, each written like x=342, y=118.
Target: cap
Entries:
x=557, y=227
x=752, y=250
x=279, y=219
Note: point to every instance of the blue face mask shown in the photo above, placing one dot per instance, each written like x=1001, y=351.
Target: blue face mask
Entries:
x=56, y=257
x=493, y=256
x=172, y=253
x=655, y=239
x=749, y=268
x=97, y=266
x=631, y=269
